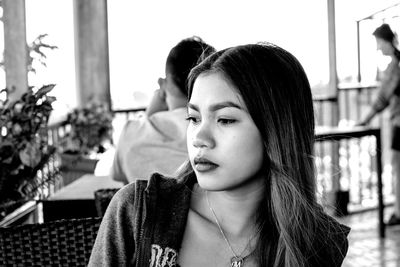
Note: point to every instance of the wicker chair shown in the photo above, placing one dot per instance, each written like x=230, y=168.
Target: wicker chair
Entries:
x=58, y=243
x=102, y=198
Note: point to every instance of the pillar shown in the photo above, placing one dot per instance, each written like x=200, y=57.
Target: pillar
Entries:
x=91, y=51
x=15, y=47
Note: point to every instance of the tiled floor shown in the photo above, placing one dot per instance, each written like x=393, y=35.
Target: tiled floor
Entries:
x=365, y=247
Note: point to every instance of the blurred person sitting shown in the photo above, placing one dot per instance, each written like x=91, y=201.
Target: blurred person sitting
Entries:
x=389, y=96
x=156, y=142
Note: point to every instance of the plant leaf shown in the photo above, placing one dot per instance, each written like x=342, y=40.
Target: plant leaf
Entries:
x=44, y=90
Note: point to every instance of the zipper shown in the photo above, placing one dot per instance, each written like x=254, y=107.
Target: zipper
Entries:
x=144, y=242
x=139, y=224
x=140, y=248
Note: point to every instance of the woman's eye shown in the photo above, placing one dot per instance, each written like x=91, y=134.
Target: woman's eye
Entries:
x=192, y=119
x=226, y=121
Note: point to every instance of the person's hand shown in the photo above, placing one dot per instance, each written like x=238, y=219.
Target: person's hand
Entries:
x=361, y=123
x=158, y=101
x=161, y=92
x=367, y=118
x=159, y=96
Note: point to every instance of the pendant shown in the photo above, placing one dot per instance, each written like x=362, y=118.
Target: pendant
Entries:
x=237, y=261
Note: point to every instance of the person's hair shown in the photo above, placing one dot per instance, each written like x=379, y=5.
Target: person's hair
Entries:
x=385, y=33
x=277, y=93
x=183, y=57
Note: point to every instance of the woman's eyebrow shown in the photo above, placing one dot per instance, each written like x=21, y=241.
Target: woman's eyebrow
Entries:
x=217, y=106
x=192, y=106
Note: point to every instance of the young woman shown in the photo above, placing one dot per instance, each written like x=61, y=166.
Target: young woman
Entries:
x=247, y=195
x=389, y=97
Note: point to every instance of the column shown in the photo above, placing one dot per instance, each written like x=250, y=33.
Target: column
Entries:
x=91, y=51
x=15, y=47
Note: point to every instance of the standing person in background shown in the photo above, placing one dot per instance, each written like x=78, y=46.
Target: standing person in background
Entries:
x=389, y=96
x=247, y=196
x=157, y=141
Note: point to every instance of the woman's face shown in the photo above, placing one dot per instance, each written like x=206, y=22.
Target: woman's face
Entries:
x=385, y=46
x=225, y=146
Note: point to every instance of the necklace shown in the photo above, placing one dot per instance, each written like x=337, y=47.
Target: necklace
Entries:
x=236, y=260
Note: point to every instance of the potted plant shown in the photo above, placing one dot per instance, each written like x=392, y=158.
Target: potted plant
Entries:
x=89, y=131
x=23, y=152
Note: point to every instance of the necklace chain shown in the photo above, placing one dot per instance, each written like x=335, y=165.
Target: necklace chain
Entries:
x=236, y=258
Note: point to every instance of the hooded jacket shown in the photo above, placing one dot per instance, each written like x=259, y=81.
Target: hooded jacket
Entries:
x=145, y=222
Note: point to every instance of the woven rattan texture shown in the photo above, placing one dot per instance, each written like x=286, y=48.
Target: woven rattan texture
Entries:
x=59, y=243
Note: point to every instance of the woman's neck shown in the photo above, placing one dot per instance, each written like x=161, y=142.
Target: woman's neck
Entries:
x=235, y=210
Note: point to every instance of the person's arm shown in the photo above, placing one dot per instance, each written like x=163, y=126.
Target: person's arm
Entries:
x=380, y=103
x=114, y=245
x=387, y=90
x=117, y=173
x=370, y=115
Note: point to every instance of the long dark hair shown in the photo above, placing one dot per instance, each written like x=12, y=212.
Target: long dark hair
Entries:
x=277, y=94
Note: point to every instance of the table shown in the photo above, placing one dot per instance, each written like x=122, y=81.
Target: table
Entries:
x=328, y=133
x=76, y=200
x=84, y=187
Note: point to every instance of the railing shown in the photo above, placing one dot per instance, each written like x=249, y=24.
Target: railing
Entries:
x=350, y=164
x=128, y=114
x=341, y=165
x=55, y=132
x=45, y=183
x=352, y=102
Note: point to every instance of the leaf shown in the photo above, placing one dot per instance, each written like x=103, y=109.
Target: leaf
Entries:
x=31, y=155
x=44, y=90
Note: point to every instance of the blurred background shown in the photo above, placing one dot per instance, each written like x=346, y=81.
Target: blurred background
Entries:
x=113, y=52
x=140, y=35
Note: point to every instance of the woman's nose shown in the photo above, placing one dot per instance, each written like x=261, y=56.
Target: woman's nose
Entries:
x=203, y=137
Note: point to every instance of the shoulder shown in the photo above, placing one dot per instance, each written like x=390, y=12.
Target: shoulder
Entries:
x=162, y=185
x=123, y=200
x=337, y=234
x=333, y=227
x=160, y=194
x=331, y=243
x=157, y=184
x=169, y=194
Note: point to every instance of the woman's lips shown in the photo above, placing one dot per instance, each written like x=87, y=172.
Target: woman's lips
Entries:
x=204, y=165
